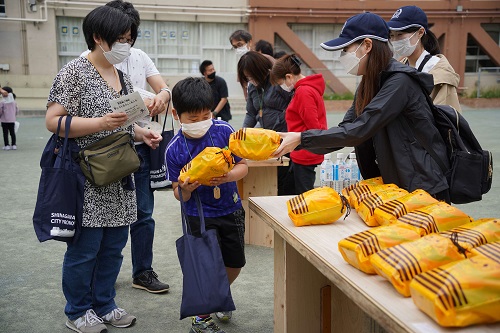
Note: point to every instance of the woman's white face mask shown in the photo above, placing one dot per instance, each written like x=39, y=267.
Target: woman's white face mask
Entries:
x=198, y=129
x=286, y=87
x=403, y=47
x=119, y=52
x=350, y=61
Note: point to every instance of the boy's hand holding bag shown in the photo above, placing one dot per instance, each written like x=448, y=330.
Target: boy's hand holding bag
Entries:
x=209, y=163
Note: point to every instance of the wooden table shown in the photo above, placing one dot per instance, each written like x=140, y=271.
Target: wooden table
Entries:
x=315, y=290
x=261, y=180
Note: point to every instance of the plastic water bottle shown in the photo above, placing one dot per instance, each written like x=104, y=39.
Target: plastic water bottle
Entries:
x=326, y=175
x=355, y=174
x=347, y=173
x=338, y=172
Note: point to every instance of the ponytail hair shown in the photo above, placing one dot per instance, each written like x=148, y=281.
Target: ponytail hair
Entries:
x=288, y=64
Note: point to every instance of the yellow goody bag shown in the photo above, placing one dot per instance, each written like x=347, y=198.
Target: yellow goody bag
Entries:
x=459, y=294
x=322, y=205
x=358, y=248
x=479, y=232
x=209, y=163
x=371, y=181
x=254, y=143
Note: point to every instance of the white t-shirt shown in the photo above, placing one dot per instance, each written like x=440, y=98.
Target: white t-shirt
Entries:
x=138, y=66
x=429, y=64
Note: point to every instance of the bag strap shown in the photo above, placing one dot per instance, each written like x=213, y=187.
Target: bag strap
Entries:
x=424, y=61
x=157, y=117
x=67, y=125
x=185, y=224
x=122, y=82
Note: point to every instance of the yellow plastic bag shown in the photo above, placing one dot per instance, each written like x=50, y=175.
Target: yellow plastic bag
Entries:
x=401, y=263
x=357, y=249
x=371, y=181
x=460, y=294
x=322, y=205
x=370, y=203
x=390, y=211
x=476, y=233
x=254, y=143
x=437, y=217
x=490, y=250
x=209, y=163
x=360, y=193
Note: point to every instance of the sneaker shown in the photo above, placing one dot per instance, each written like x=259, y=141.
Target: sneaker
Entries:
x=14, y=147
x=149, y=281
x=119, y=318
x=204, y=325
x=88, y=323
x=6, y=147
x=224, y=316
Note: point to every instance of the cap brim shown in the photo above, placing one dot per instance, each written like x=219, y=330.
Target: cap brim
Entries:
x=341, y=42
x=398, y=26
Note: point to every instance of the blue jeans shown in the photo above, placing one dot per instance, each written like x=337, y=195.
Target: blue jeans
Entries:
x=143, y=230
x=90, y=269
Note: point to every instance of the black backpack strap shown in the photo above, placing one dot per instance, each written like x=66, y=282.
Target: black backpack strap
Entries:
x=424, y=61
x=122, y=82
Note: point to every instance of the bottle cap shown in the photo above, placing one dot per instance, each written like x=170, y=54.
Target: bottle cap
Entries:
x=352, y=155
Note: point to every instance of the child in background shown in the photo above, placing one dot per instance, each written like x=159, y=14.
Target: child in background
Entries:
x=8, y=112
x=192, y=104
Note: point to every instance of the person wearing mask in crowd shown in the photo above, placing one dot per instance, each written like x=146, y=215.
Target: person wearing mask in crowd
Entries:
x=241, y=41
x=142, y=71
x=264, y=47
x=221, y=106
x=390, y=106
x=8, y=112
x=82, y=89
x=192, y=98
x=305, y=111
x=415, y=45
x=266, y=104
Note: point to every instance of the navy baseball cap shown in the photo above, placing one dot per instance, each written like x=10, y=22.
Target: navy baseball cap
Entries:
x=361, y=26
x=408, y=17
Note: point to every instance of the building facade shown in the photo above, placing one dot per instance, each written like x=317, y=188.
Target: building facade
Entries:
x=38, y=37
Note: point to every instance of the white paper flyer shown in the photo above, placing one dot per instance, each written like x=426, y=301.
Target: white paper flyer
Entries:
x=133, y=105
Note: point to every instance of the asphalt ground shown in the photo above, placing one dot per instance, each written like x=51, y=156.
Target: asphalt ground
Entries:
x=31, y=299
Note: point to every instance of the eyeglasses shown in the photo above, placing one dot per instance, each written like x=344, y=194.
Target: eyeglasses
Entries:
x=125, y=40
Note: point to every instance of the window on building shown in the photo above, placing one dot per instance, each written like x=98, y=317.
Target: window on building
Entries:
x=2, y=7
x=475, y=56
x=177, y=48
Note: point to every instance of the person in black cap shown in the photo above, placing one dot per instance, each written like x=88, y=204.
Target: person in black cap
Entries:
x=389, y=110
x=415, y=45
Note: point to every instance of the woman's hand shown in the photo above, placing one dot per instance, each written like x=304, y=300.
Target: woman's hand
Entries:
x=113, y=120
x=289, y=142
x=159, y=103
x=151, y=138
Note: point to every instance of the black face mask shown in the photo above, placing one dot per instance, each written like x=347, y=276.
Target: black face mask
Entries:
x=211, y=76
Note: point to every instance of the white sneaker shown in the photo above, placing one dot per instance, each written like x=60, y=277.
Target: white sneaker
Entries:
x=14, y=147
x=119, y=318
x=7, y=147
x=224, y=316
x=88, y=323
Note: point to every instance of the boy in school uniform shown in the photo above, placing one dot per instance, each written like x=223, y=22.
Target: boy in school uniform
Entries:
x=222, y=208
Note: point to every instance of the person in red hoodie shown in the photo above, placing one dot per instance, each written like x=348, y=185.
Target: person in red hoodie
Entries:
x=306, y=111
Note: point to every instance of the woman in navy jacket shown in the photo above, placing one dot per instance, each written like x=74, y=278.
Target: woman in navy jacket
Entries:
x=390, y=106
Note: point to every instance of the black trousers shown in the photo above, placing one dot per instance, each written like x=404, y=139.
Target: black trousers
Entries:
x=8, y=128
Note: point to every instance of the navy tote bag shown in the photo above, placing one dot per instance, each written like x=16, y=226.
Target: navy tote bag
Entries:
x=158, y=166
x=59, y=204
x=205, y=287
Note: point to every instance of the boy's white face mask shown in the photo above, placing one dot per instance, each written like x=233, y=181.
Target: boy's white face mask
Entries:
x=196, y=130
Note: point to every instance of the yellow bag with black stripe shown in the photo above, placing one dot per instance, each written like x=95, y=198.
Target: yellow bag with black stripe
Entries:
x=390, y=211
x=254, y=143
x=358, y=248
x=437, y=217
x=474, y=234
x=360, y=193
x=209, y=163
x=322, y=205
x=460, y=294
x=490, y=250
x=367, y=207
x=371, y=181
x=401, y=263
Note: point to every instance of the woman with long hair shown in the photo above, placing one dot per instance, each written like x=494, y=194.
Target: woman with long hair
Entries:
x=415, y=45
x=389, y=110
